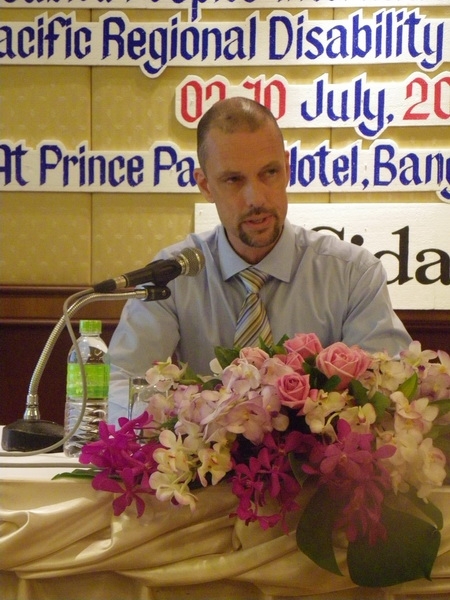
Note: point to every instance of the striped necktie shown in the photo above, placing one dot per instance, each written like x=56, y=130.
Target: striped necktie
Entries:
x=253, y=322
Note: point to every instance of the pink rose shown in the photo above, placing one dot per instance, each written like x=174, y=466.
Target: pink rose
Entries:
x=293, y=360
x=294, y=389
x=346, y=362
x=304, y=344
x=254, y=356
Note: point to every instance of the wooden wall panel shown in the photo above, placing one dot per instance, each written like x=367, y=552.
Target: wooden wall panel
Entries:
x=28, y=315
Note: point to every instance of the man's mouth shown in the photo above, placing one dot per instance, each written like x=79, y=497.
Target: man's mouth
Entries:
x=258, y=220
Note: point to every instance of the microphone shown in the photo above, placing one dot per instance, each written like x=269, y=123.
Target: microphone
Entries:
x=189, y=262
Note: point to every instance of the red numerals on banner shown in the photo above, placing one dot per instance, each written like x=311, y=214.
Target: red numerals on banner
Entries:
x=436, y=92
x=197, y=96
x=271, y=94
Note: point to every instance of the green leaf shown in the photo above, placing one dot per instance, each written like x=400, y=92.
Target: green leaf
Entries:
x=280, y=344
x=277, y=348
x=443, y=405
x=409, y=387
x=296, y=466
x=332, y=383
x=408, y=553
x=443, y=443
x=190, y=377
x=308, y=367
x=168, y=424
x=77, y=474
x=264, y=346
x=428, y=508
x=225, y=356
x=439, y=431
x=315, y=528
x=282, y=339
x=317, y=379
x=380, y=403
x=211, y=384
x=359, y=392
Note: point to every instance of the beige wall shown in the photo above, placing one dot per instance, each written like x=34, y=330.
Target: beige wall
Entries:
x=80, y=238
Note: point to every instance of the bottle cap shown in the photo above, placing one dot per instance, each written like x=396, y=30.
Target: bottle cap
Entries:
x=90, y=326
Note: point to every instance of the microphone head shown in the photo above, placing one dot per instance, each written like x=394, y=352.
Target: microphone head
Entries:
x=191, y=260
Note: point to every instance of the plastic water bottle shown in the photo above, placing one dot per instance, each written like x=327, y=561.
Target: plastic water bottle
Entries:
x=96, y=362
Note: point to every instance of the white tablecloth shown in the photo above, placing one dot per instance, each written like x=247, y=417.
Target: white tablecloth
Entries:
x=60, y=541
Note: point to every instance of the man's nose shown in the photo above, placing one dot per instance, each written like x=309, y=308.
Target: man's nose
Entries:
x=254, y=193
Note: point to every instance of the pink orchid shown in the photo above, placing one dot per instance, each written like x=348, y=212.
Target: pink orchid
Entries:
x=361, y=516
x=250, y=419
x=113, y=449
x=129, y=491
x=351, y=457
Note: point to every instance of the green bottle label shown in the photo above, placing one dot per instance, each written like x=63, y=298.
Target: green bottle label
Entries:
x=97, y=380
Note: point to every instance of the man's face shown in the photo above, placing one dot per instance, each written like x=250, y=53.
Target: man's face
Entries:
x=246, y=174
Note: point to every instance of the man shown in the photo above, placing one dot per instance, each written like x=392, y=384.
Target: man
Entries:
x=317, y=284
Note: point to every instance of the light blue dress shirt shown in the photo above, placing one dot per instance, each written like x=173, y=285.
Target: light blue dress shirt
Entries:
x=319, y=285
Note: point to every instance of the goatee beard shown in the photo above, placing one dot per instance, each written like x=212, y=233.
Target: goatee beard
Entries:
x=252, y=240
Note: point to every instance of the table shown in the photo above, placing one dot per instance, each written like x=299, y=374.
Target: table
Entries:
x=59, y=540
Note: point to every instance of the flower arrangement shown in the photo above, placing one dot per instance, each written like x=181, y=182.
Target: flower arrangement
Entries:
x=371, y=432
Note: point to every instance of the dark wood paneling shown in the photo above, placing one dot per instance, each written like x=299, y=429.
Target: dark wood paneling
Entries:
x=28, y=315
x=430, y=327
x=22, y=344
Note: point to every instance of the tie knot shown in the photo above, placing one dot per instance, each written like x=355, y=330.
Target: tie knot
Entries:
x=253, y=279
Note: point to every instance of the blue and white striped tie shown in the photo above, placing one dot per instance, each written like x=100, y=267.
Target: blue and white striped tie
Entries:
x=253, y=322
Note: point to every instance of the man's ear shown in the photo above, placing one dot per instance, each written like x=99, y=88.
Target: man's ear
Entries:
x=202, y=183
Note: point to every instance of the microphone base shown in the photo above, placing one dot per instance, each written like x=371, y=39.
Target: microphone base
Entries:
x=25, y=435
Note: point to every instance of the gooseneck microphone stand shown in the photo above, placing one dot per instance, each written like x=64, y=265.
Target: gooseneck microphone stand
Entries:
x=33, y=435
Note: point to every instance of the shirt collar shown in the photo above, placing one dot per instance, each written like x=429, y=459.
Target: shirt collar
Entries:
x=278, y=263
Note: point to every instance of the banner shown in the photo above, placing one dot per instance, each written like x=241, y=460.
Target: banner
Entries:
x=165, y=168
x=280, y=39
x=367, y=106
